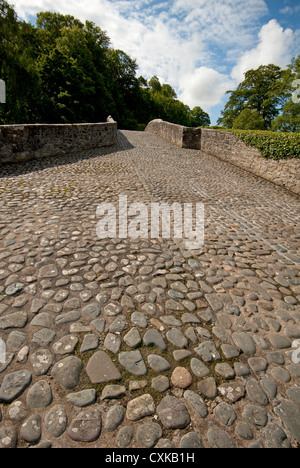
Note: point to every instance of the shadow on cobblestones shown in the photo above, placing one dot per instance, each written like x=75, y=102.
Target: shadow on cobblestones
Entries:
x=25, y=167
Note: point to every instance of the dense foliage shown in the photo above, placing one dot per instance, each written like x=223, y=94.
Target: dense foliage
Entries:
x=289, y=120
x=62, y=70
x=273, y=145
x=249, y=119
x=264, y=100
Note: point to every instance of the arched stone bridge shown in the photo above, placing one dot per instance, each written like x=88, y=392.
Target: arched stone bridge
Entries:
x=139, y=342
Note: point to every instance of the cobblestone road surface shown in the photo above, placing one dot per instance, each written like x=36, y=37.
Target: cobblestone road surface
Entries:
x=141, y=343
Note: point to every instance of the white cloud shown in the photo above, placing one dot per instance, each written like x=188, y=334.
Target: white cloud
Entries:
x=223, y=22
x=204, y=87
x=192, y=44
x=171, y=26
x=274, y=46
x=290, y=10
x=152, y=38
x=104, y=13
x=162, y=53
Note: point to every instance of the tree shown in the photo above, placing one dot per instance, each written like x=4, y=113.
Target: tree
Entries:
x=154, y=84
x=143, y=83
x=199, y=118
x=289, y=120
x=123, y=69
x=249, y=119
x=68, y=75
x=124, y=87
x=168, y=91
x=72, y=66
x=17, y=41
x=63, y=70
x=166, y=106
x=264, y=90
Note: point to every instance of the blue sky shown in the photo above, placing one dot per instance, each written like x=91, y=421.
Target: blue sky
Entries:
x=201, y=47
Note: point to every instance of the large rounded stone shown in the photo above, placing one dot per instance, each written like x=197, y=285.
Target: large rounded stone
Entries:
x=181, y=378
x=31, y=429
x=191, y=440
x=158, y=363
x=208, y=387
x=154, y=338
x=289, y=414
x=114, y=418
x=67, y=372
x=56, y=421
x=41, y=361
x=14, y=320
x=244, y=342
x=256, y=416
x=133, y=362
x=177, y=338
x=101, y=369
x=48, y=271
x=173, y=413
x=14, y=385
x=86, y=426
x=219, y=439
x=65, y=345
x=14, y=288
x=149, y=434
x=208, y=351
x=112, y=309
x=8, y=437
x=232, y=392
x=124, y=437
x=198, y=368
x=256, y=393
x=83, y=398
x=39, y=395
x=195, y=403
x=140, y=407
x=225, y=414
x=93, y=310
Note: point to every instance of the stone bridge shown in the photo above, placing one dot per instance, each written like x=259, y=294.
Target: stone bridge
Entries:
x=138, y=342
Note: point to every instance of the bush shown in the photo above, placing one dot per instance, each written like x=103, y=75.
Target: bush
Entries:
x=274, y=145
x=215, y=127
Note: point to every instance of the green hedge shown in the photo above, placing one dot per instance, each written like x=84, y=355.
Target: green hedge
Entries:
x=274, y=145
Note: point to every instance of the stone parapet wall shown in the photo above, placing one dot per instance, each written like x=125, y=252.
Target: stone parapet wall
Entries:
x=37, y=141
x=226, y=146
x=184, y=137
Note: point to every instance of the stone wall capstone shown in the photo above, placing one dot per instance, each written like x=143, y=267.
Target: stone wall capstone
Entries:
x=36, y=141
x=184, y=137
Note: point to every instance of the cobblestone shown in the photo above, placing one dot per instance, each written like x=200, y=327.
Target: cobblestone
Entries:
x=138, y=342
